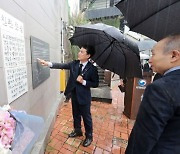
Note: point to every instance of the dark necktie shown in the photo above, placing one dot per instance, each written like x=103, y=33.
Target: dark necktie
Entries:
x=80, y=69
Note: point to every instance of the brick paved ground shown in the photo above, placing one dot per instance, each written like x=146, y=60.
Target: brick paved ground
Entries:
x=111, y=129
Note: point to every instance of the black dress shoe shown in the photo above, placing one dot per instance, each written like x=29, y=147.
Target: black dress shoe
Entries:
x=75, y=134
x=87, y=142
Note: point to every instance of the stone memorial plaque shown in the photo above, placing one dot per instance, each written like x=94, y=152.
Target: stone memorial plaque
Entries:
x=39, y=49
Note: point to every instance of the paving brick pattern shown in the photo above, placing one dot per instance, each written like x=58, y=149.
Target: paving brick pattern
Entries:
x=111, y=129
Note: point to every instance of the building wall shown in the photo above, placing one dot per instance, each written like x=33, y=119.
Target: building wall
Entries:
x=42, y=19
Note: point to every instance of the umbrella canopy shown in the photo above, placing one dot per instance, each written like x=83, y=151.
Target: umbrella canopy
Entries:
x=153, y=18
x=113, y=51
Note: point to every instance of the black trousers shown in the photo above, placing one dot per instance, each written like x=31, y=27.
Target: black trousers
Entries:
x=84, y=112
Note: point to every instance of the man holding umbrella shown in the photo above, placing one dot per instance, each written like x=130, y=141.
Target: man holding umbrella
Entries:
x=83, y=75
x=157, y=127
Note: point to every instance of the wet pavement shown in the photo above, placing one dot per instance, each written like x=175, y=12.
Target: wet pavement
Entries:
x=111, y=129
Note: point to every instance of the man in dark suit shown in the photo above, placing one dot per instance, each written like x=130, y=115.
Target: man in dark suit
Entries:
x=146, y=67
x=157, y=127
x=157, y=76
x=83, y=75
x=67, y=94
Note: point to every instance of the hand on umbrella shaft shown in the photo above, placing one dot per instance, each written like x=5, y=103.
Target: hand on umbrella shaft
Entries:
x=79, y=79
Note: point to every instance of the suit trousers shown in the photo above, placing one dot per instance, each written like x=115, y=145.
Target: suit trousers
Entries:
x=83, y=111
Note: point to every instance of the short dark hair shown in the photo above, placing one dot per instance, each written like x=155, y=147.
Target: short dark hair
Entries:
x=90, y=49
x=172, y=43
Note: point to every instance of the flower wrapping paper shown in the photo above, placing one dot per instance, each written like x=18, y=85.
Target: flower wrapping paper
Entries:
x=23, y=130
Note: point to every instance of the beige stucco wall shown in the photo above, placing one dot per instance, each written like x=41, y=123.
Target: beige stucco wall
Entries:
x=42, y=19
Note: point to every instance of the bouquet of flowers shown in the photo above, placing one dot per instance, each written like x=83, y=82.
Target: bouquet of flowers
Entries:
x=18, y=131
x=7, y=130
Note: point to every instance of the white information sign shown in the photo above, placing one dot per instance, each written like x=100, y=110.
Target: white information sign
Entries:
x=14, y=58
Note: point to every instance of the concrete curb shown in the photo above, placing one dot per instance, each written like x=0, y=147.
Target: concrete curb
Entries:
x=41, y=144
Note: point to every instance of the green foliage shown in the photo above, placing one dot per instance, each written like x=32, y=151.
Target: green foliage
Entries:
x=76, y=20
x=74, y=50
x=109, y=21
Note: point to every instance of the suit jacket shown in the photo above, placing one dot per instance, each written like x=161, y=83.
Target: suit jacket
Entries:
x=157, y=127
x=90, y=75
x=157, y=76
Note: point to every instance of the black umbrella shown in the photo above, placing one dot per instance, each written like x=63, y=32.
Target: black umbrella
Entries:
x=153, y=18
x=113, y=51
